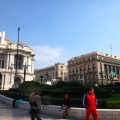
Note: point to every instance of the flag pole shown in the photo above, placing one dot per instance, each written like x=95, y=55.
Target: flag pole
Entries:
x=111, y=49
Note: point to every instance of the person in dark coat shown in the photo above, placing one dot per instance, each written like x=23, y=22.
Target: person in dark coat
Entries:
x=36, y=105
x=65, y=105
x=30, y=97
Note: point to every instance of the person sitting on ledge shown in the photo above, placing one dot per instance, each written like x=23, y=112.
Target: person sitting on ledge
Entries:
x=17, y=99
x=65, y=105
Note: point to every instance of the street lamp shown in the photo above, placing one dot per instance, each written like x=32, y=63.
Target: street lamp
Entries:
x=11, y=68
x=25, y=67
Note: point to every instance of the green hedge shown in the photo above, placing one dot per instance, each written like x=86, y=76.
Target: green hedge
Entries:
x=113, y=104
x=64, y=84
x=74, y=102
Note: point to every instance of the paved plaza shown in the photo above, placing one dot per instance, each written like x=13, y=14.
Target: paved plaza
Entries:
x=9, y=113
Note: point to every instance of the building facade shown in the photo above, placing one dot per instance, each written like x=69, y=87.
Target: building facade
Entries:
x=57, y=72
x=13, y=65
x=94, y=68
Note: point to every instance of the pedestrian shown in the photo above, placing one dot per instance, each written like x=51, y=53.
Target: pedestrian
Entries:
x=36, y=105
x=90, y=102
x=30, y=97
x=65, y=105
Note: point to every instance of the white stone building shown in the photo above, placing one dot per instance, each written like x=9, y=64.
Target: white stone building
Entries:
x=8, y=56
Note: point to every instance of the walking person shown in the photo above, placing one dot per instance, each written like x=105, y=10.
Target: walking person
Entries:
x=30, y=97
x=90, y=102
x=65, y=105
x=36, y=104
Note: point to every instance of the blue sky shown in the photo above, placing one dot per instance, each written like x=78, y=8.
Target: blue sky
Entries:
x=58, y=30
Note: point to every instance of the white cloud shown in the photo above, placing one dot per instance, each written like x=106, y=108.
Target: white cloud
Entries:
x=46, y=55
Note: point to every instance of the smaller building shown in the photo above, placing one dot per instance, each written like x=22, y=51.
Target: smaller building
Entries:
x=57, y=72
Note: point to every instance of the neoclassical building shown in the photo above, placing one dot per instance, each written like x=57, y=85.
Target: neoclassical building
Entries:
x=10, y=71
x=58, y=71
x=94, y=68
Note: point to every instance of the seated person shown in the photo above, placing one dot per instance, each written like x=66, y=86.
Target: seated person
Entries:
x=16, y=100
x=66, y=105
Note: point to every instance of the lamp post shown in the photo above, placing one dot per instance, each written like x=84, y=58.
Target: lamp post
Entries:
x=25, y=67
x=16, y=67
x=11, y=68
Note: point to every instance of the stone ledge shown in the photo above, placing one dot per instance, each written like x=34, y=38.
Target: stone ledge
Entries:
x=73, y=113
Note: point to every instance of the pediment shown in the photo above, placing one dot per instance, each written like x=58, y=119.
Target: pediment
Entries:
x=22, y=46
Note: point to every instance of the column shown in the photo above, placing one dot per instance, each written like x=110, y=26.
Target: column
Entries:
x=25, y=60
x=12, y=59
x=29, y=63
x=119, y=71
x=98, y=69
x=33, y=66
x=7, y=61
x=3, y=82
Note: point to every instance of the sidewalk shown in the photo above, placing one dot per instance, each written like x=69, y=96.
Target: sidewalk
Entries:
x=9, y=113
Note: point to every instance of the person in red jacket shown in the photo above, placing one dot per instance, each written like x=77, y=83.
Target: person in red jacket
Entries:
x=90, y=102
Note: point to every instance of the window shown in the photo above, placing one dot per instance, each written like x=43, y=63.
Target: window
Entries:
x=61, y=66
x=2, y=63
x=18, y=61
x=88, y=67
x=93, y=58
x=94, y=76
x=65, y=78
x=89, y=77
x=61, y=73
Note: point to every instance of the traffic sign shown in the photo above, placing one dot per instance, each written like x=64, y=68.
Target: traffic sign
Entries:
x=112, y=73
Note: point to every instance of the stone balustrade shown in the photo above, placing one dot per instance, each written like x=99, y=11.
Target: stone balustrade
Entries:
x=73, y=113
